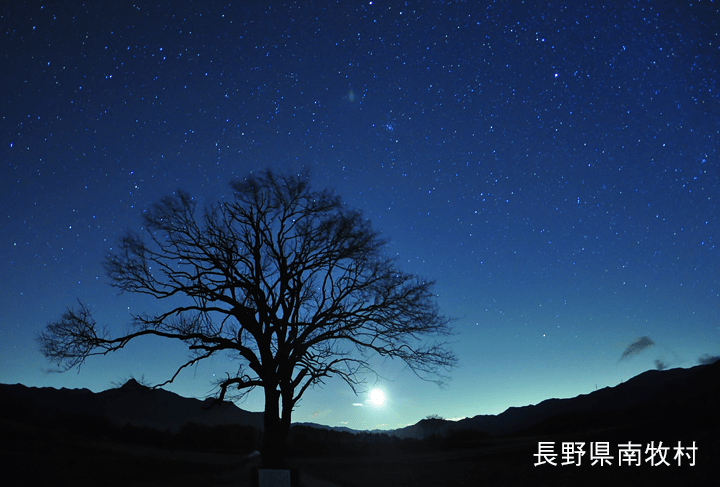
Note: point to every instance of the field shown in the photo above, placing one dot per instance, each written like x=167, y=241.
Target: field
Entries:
x=505, y=462
x=63, y=456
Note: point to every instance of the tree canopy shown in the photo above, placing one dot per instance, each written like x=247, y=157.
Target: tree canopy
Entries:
x=284, y=277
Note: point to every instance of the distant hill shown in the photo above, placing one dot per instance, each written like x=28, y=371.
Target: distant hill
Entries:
x=132, y=404
x=680, y=398
x=688, y=396
x=343, y=429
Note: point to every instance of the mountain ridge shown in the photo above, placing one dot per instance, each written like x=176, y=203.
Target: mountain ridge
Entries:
x=132, y=404
x=696, y=388
x=682, y=388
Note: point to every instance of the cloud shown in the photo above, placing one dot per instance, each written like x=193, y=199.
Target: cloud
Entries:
x=660, y=365
x=636, y=347
x=320, y=414
x=708, y=359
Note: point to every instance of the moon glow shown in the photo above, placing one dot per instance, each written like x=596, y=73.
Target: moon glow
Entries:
x=377, y=397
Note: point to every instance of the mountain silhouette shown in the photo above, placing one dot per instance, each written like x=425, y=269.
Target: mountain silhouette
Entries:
x=132, y=404
x=681, y=399
x=688, y=397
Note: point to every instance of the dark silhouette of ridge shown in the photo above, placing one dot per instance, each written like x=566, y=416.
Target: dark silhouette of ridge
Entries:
x=132, y=404
x=690, y=396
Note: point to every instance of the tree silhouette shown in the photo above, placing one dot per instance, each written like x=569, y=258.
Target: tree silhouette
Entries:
x=286, y=278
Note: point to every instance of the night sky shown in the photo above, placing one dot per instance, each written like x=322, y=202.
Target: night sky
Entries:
x=555, y=168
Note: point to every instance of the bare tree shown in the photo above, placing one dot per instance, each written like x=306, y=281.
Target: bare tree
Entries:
x=286, y=278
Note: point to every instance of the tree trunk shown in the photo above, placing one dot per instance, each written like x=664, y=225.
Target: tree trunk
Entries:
x=287, y=408
x=274, y=435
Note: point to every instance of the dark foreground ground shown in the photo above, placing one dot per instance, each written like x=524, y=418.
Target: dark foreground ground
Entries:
x=62, y=456
x=505, y=462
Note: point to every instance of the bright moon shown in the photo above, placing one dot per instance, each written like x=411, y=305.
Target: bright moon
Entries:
x=377, y=397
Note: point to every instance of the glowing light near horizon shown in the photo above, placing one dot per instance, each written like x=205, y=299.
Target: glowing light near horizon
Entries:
x=377, y=397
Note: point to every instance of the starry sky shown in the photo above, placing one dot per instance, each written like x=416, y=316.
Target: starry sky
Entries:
x=554, y=166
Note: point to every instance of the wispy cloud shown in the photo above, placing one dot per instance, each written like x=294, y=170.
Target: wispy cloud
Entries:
x=320, y=414
x=708, y=359
x=636, y=347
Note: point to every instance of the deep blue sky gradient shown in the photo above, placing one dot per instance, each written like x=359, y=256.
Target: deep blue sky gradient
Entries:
x=555, y=167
